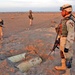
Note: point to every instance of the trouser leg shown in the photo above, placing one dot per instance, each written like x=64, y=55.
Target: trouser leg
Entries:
x=1, y=33
x=68, y=58
x=30, y=22
x=63, y=60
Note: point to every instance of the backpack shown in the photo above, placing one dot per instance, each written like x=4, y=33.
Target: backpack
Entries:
x=72, y=17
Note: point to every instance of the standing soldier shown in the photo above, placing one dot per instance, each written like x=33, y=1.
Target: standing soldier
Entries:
x=66, y=35
x=1, y=31
x=30, y=17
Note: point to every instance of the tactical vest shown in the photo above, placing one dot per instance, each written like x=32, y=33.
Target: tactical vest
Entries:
x=63, y=28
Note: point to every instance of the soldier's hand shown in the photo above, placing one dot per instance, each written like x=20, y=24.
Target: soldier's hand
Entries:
x=58, y=41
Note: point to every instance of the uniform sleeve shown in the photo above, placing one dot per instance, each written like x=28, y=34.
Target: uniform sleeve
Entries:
x=70, y=36
x=56, y=28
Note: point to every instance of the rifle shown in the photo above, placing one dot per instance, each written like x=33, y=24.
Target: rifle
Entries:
x=56, y=43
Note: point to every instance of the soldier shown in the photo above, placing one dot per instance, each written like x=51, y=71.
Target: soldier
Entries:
x=1, y=32
x=66, y=35
x=30, y=17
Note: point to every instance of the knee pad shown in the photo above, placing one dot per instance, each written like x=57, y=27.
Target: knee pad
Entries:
x=69, y=63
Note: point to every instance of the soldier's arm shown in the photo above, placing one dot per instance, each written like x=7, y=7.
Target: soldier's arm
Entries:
x=56, y=28
x=70, y=36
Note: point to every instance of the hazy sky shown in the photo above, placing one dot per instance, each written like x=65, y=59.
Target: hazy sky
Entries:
x=35, y=5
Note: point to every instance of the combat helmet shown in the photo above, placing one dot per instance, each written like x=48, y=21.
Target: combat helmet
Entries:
x=66, y=7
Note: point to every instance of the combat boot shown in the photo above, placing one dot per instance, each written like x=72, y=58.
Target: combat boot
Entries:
x=63, y=66
x=67, y=72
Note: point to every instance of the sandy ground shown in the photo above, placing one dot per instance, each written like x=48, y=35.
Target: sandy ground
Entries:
x=19, y=37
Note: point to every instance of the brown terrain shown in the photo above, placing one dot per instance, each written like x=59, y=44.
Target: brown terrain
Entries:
x=35, y=40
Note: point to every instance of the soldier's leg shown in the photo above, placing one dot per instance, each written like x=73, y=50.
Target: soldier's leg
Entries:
x=63, y=60
x=1, y=33
x=69, y=57
x=30, y=22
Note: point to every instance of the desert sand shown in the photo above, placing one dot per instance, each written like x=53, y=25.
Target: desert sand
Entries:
x=20, y=37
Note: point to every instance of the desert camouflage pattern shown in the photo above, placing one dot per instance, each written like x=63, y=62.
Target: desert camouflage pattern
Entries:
x=1, y=31
x=69, y=39
x=66, y=42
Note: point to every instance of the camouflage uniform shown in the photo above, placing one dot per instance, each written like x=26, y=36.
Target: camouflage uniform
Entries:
x=1, y=31
x=66, y=35
x=66, y=40
x=30, y=17
x=69, y=39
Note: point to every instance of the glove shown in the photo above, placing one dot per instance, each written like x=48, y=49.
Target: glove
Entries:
x=58, y=41
x=66, y=50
